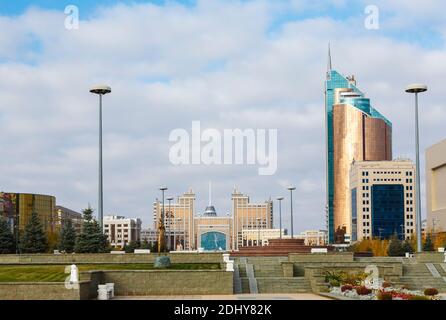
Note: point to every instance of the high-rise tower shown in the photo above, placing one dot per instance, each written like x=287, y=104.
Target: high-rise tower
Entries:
x=355, y=131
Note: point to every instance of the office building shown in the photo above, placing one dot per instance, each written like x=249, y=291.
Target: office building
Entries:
x=248, y=216
x=65, y=214
x=149, y=235
x=436, y=187
x=17, y=209
x=121, y=231
x=355, y=131
x=382, y=199
x=178, y=220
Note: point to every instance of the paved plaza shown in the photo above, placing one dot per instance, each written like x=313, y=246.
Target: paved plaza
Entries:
x=297, y=296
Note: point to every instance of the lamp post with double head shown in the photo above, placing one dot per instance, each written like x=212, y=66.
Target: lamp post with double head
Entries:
x=100, y=90
x=416, y=89
x=291, y=189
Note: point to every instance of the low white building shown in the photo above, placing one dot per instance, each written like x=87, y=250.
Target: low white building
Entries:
x=313, y=237
x=121, y=230
x=254, y=237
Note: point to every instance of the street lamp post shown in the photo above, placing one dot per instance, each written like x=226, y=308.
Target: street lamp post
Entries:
x=162, y=235
x=291, y=199
x=258, y=231
x=169, y=219
x=417, y=88
x=280, y=216
x=100, y=90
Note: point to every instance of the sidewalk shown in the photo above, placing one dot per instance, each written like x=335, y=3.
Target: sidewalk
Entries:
x=297, y=296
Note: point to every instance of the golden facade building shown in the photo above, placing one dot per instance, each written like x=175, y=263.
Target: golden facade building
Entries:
x=355, y=132
x=436, y=187
x=383, y=201
x=17, y=208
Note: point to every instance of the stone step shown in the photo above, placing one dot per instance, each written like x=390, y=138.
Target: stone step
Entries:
x=283, y=285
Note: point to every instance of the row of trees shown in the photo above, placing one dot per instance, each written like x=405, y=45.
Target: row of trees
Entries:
x=34, y=240
x=396, y=247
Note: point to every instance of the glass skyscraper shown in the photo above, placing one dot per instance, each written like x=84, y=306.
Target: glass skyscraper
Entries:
x=355, y=131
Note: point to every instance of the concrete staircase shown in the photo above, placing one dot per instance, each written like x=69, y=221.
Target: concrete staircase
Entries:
x=417, y=276
x=269, y=276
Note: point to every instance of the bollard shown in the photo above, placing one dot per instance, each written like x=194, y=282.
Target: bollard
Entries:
x=102, y=292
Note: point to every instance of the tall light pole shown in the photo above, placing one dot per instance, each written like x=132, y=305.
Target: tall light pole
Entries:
x=258, y=231
x=280, y=216
x=161, y=227
x=417, y=88
x=100, y=90
x=169, y=218
x=291, y=199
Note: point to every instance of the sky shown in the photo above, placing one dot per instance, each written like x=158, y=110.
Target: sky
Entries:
x=228, y=64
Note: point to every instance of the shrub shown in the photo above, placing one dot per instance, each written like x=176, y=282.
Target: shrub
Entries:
x=334, y=275
x=386, y=284
x=384, y=295
x=430, y=292
x=363, y=291
x=334, y=283
x=346, y=287
x=355, y=279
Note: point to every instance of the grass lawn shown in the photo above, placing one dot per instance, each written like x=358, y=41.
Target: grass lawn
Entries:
x=55, y=273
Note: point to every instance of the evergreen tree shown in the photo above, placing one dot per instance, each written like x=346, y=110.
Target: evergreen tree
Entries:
x=407, y=247
x=34, y=238
x=145, y=245
x=67, y=239
x=7, y=244
x=91, y=239
x=131, y=246
x=395, y=248
x=428, y=243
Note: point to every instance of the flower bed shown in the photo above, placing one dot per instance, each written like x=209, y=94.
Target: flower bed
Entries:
x=353, y=286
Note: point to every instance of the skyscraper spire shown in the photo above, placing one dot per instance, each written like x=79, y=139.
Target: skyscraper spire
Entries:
x=329, y=59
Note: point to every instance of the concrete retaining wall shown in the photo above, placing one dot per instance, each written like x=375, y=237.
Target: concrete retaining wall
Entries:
x=321, y=257
x=43, y=291
x=165, y=282
x=107, y=258
x=430, y=257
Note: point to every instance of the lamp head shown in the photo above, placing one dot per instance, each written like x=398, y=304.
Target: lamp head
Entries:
x=280, y=198
x=291, y=188
x=100, y=89
x=416, y=88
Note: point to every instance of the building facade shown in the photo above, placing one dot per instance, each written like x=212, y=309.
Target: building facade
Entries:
x=436, y=187
x=313, y=237
x=186, y=230
x=249, y=216
x=17, y=209
x=256, y=237
x=64, y=214
x=149, y=235
x=355, y=131
x=121, y=231
x=382, y=199
x=178, y=221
